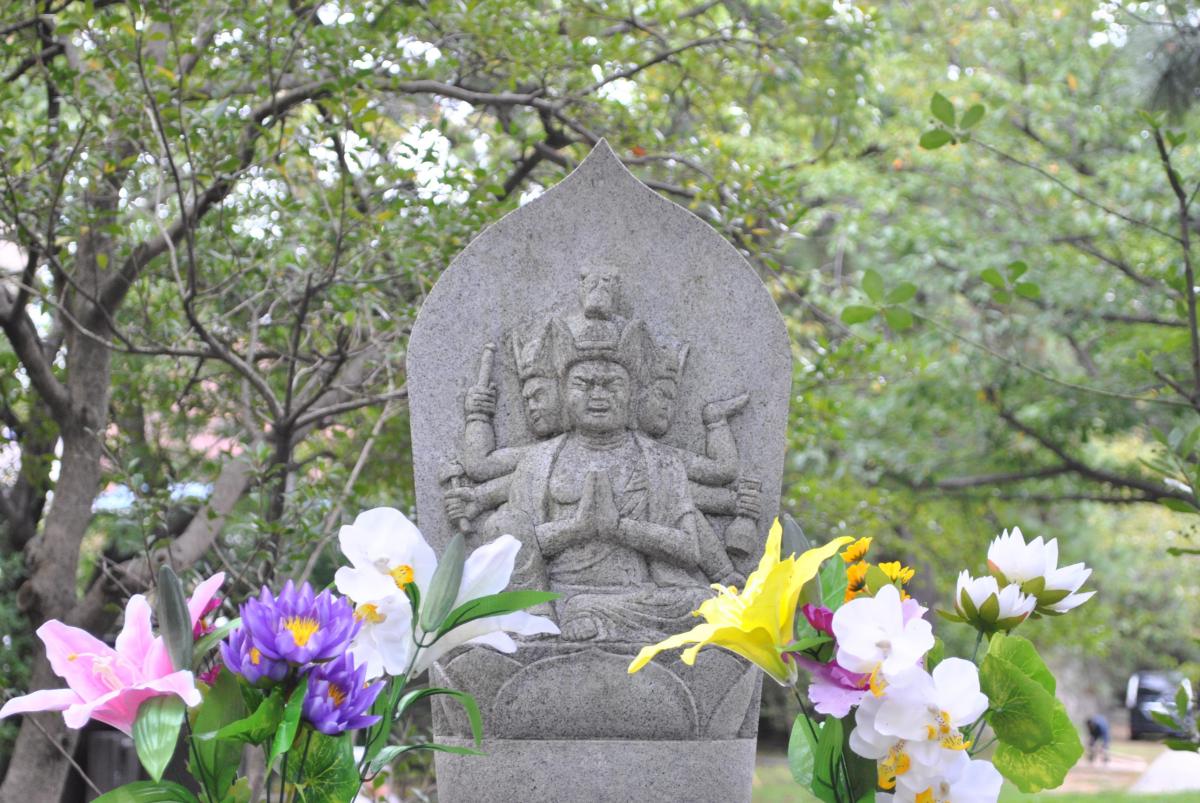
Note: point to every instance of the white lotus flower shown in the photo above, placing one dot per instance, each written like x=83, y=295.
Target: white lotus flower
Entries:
x=387, y=553
x=1034, y=566
x=927, y=710
x=981, y=603
x=873, y=637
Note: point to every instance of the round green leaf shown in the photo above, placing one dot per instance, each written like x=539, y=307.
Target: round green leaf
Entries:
x=872, y=285
x=935, y=138
x=898, y=318
x=942, y=109
x=972, y=116
x=857, y=314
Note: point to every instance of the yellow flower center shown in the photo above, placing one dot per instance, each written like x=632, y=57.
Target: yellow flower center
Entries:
x=402, y=575
x=877, y=682
x=896, y=762
x=255, y=656
x=856, y=579
x=368, y=612
x=302, y=628
x=337, y=695
x=945, y=733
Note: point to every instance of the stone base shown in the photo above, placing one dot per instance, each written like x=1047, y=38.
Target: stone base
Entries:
x=597, y=771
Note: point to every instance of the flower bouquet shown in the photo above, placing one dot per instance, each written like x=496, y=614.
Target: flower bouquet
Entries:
x=887, y=716
x=313, y=680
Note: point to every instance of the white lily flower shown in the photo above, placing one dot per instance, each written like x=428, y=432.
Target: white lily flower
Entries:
x=387, y=552
x=981, y=603
x=927, y=710
x=1034, y=566
x=873, y=637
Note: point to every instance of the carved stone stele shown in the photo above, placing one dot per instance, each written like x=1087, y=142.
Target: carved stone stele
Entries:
x=602, y=376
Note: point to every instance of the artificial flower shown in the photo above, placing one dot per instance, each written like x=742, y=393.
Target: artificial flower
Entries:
x=856, y=580
x=820, y=617
x=966, y=781
x=1034, y=566
x=388, y=552
x=243, y=657
x=927, y=710
x=890, y=753
x=757, y=623
x=896, y=572
x=981, y=603
x=856, y=551
x=298, y=626
x=338, y=696
x=106, y=683
x=833, y=690
x=874, y=637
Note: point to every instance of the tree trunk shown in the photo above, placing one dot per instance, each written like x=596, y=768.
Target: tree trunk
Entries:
x=38, y=770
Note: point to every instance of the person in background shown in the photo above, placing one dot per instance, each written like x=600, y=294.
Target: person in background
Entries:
x=1098, y=738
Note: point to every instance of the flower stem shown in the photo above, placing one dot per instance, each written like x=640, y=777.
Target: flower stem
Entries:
x=975, y=652
x=841, y=755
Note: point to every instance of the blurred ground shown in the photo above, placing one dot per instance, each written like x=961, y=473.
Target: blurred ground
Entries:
x=1158, y=774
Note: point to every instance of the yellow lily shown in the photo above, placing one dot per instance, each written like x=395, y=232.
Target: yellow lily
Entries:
x=758, y=622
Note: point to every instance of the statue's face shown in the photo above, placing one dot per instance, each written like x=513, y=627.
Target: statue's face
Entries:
x=600, y=286
x=542, y=405
x=597, y=396
x=656, y=407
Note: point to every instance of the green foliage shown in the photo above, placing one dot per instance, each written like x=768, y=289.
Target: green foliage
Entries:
x=214, y=762
x=156, y=732
x=324, y=771
x=1037, y=741
x=149, y=792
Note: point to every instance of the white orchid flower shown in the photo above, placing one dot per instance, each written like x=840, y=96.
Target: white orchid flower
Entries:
x=874, y=637
x=927, y=710
x=968, y=781
x=981, y=603
x=387, y=553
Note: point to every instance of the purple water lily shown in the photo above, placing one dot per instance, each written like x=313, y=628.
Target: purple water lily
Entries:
x=338, y=695
x=243, y=657
x=297, y=626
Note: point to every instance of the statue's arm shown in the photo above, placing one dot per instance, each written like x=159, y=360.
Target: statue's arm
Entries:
x=678, y=545
x=714, y=501
x=719, y=465
x=555, y=537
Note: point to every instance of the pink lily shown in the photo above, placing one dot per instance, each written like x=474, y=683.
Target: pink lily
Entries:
x=110, y=684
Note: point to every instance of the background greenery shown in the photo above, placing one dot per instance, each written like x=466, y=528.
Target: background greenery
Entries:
x=331, y=159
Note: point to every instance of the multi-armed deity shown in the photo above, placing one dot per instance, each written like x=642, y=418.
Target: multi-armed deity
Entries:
x=610, y=517
x=602, y=376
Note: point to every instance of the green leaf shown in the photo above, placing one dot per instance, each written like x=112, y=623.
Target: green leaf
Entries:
x=872, y=285
x=323, y=768
x=1046, y=767
x=156, y=732
x=993, y=277
x=494, y=605
x=802, y=750
x=936, y=654
x=898, y=318
x=935, y=138
x=1164, y=719
x=467, y=701
x=1019, y=708
x=1021, y=652
x=385, y=708
x=827, y=760
x=942, y=109
x=807, y=643
x=833, y=583
x=289, y=723
x=148, y=792
x=1179, y=505
x=1028, y=290
x=209, y=642
x=215, y=761
x=256, y=728
x=389, y=754
x=792, y=540
x=1017, y=269
x=902, y=293
x=443, y=588
x=857, y=314
x=972, y=116
x=173, y=618
x=1182, y=745
x=1001, y=296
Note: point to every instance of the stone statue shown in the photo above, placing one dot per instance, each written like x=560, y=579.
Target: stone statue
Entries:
x=603, y=377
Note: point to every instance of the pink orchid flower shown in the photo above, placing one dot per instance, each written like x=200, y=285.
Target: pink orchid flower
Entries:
x=110, y=684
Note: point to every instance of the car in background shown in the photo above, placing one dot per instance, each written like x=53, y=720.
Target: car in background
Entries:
x=1150, y=691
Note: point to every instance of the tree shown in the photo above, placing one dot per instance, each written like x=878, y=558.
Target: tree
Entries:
x=227, y=214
